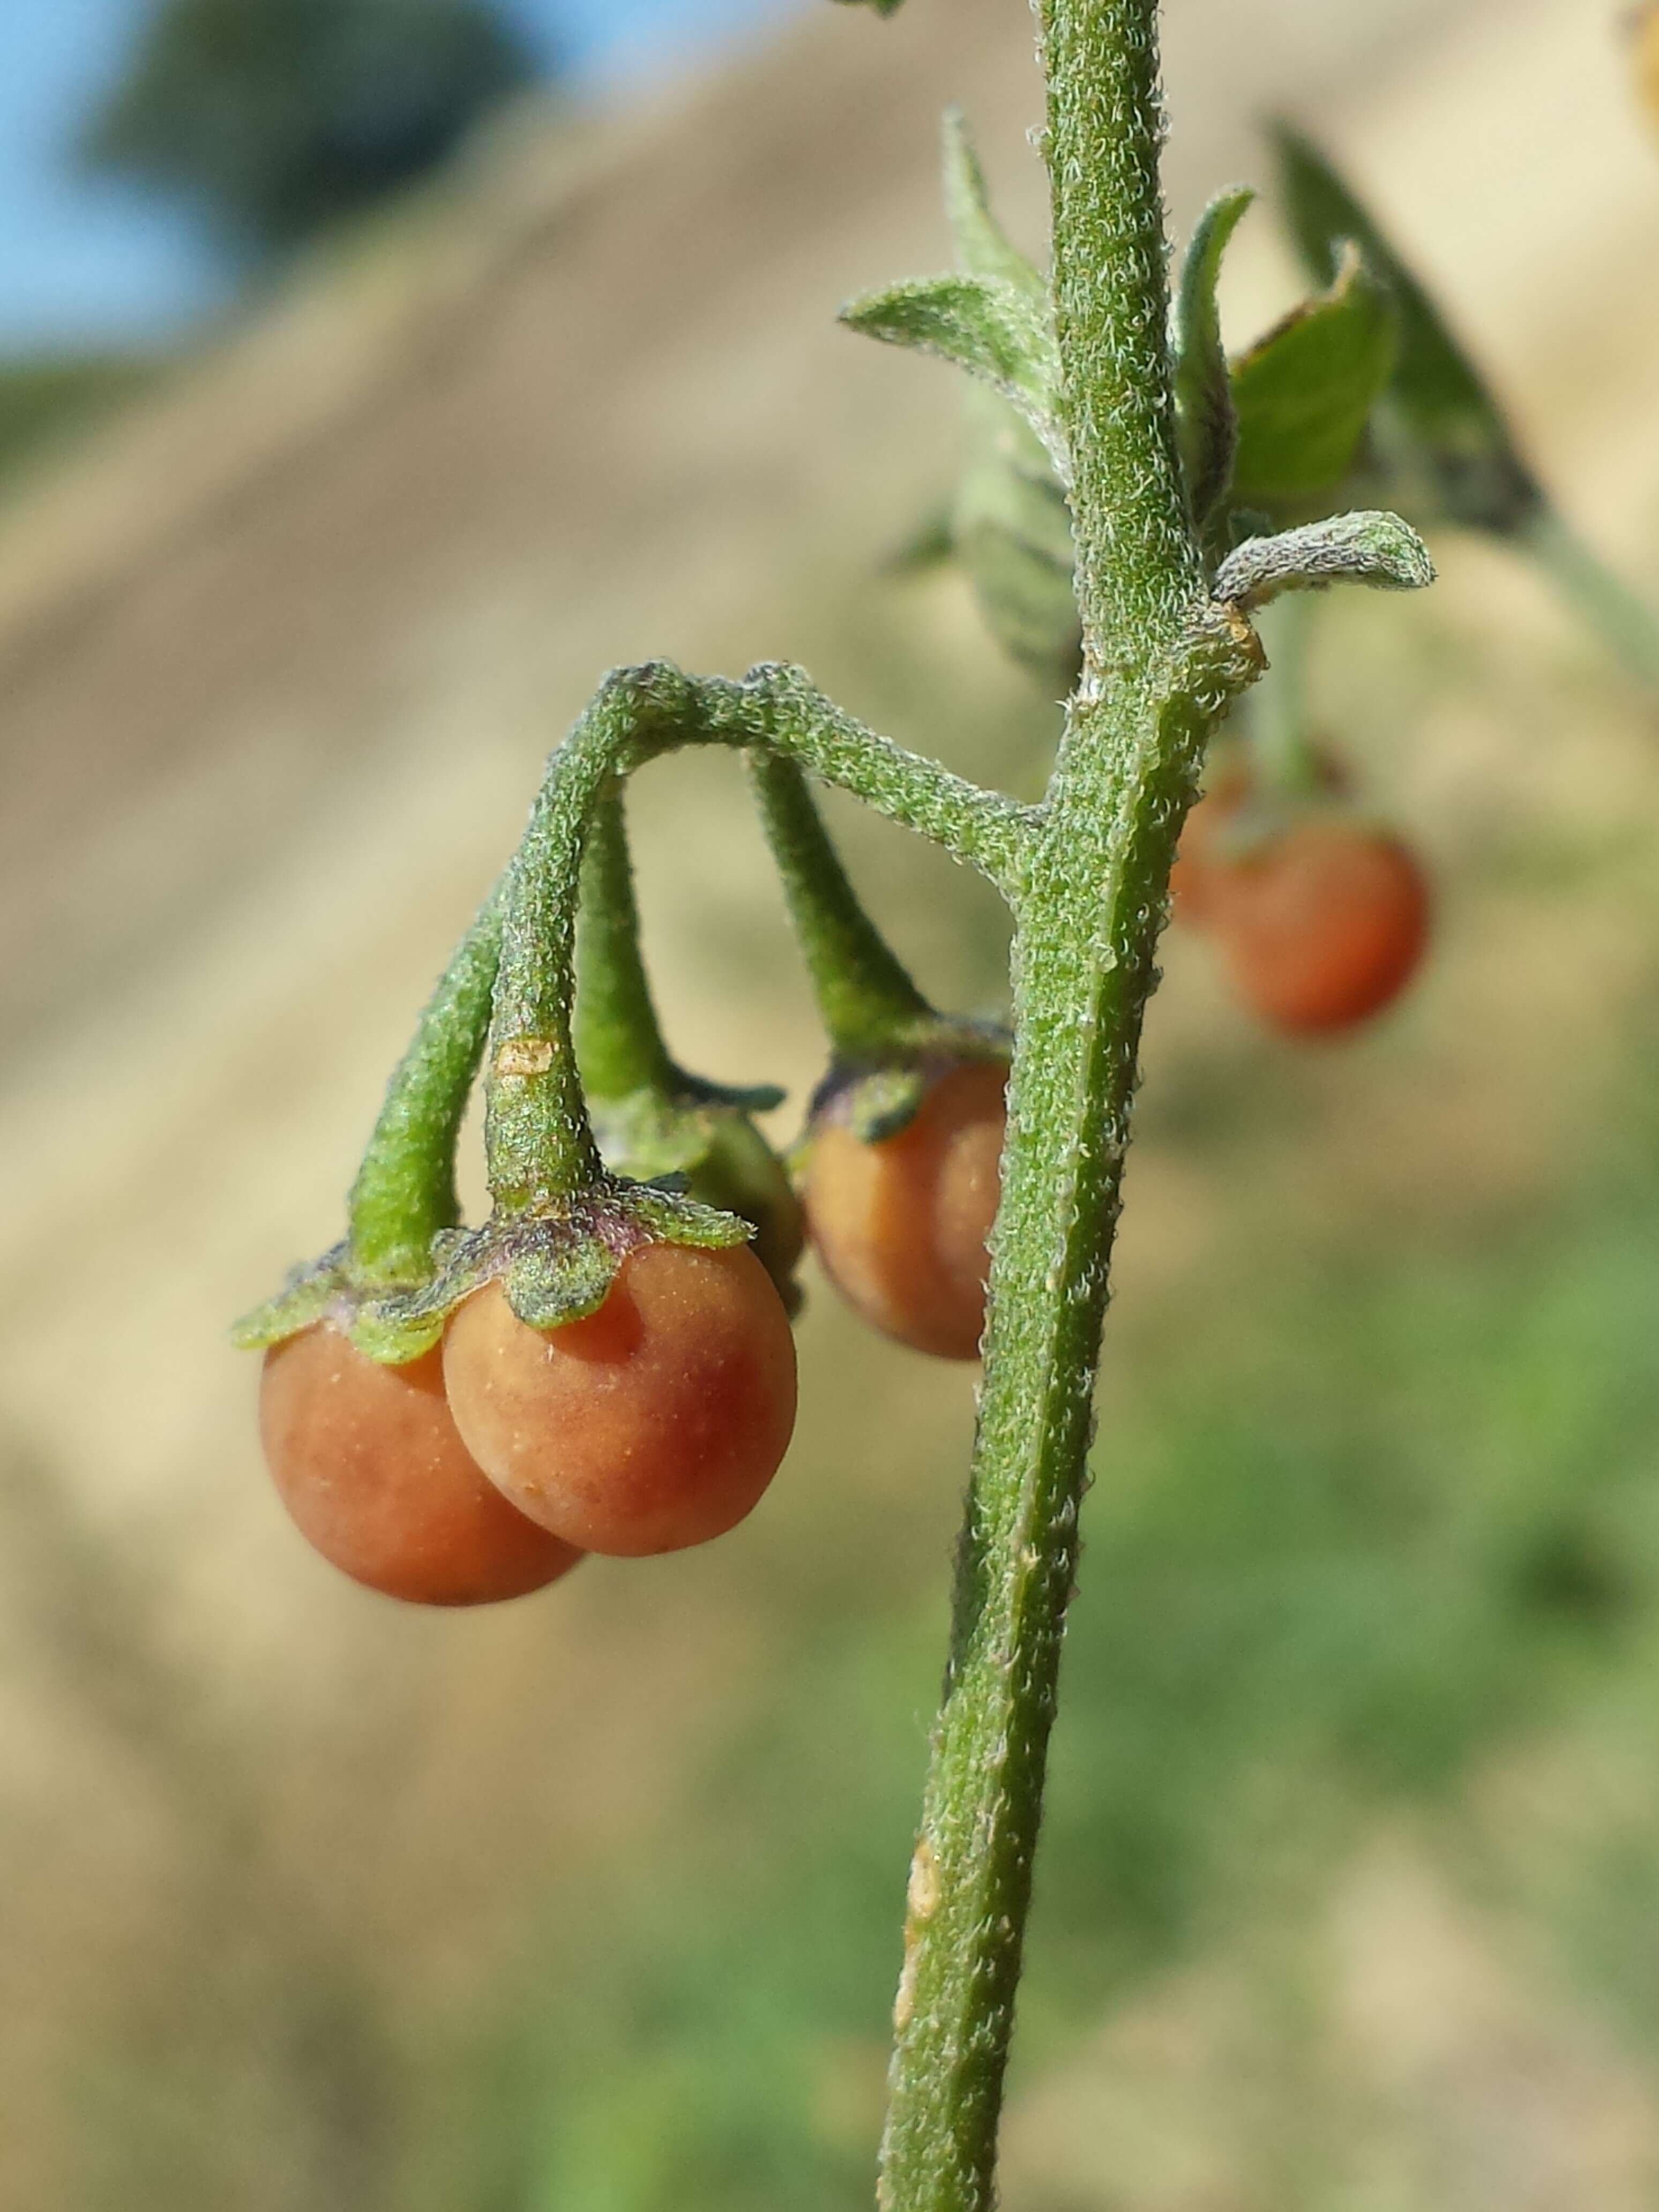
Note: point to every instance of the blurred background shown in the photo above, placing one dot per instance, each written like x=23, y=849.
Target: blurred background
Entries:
x=361, y=403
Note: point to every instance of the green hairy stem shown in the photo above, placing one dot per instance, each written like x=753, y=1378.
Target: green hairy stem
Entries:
x=1160, y=664
x=619, y=1045
x=1086, y=876
x=538, y=1137
x=864, y=997
x=404, y=1192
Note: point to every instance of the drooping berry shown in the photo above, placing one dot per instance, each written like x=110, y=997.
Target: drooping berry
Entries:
x=372, y=1468
x=901, y=1224
x=653, y=1424
x=1322, y=926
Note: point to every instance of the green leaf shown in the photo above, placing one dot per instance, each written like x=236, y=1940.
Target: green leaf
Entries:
x=881, y=7
x=1011, y=531
x=990, y=329
x=1304, y=392
x=1206, y=420
x=1447, y=423
x=1363, y=548
x=983, y=248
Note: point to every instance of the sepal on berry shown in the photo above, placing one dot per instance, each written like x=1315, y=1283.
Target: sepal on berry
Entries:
x=705, y=1139
x=556, y=1264
x=317, y=1289
x=878, y=1097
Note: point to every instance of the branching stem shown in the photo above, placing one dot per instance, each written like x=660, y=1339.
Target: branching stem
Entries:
x=537, y=1136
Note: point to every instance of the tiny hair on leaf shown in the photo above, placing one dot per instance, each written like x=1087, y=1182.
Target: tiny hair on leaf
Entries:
x=1363, y=548
x=983, y=325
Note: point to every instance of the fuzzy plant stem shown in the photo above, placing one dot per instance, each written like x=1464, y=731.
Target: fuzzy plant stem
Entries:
x=404, y=1192
x=619, y=1045
x=538, y=1139
x=1161, y=663
x=864, y=997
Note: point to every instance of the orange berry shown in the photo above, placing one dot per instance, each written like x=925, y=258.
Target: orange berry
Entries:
x=370, y=1464
x=655, y=1423
x=901, y=1224
x=1196, y=856
x=1323, y=925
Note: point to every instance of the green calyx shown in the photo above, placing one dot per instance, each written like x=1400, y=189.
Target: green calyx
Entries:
x=556, y=1264
x=703, y=1142
x=876, y=1098
x=316, y=1291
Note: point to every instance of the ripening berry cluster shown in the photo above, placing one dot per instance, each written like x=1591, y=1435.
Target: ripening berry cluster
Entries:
x=492, y=1464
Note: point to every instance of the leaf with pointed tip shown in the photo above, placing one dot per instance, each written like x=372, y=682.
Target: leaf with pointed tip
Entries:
x=984, y=325
x=1304, y=392
x=1364, y=547
x=1445, y=411
x=1207, y=423
x=983, y=248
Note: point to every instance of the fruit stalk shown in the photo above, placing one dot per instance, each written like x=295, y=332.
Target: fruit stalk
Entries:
x=404, y=1191
x=619, y=1044
x=1160, y=664
x=864, y=995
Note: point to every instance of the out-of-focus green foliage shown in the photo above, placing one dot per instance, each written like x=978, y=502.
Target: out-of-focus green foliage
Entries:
x=276, y=116
x=1348, y=1552
x=1442, y=422
x=41, y=401
x=1304, y=391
